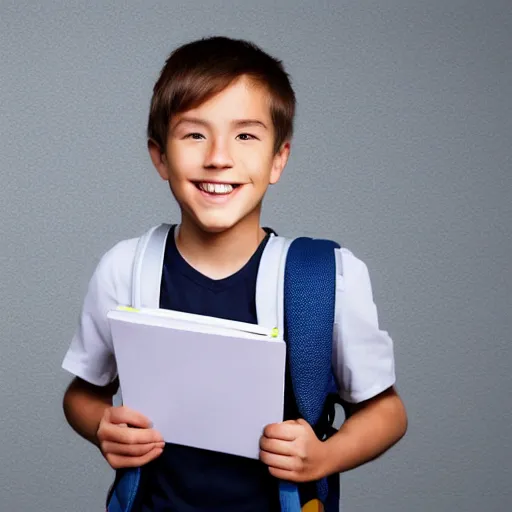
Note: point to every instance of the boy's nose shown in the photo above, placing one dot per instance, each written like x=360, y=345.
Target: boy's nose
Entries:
x=218, y=156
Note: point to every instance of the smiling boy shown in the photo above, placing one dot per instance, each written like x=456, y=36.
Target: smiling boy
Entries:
x=219, y=132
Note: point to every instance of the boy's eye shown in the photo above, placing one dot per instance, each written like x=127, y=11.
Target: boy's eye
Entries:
x=246, y=136
x=194, y=136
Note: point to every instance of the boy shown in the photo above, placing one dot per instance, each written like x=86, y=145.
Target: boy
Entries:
x=219, y=133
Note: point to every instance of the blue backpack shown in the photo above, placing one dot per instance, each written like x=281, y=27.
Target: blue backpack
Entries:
x=301, y=275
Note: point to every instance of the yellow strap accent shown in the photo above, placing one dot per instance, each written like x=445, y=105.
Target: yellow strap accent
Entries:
x=127, y=308
x=313, y=506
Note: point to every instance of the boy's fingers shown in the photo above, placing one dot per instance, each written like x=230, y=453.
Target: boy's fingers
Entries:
x=283, y=474
x=128, y=416
x=137, y=436
x=281, y=462
x=128, y=435
x=121, y=461
x=276, y=446
x=286, y=431
x=130, y=450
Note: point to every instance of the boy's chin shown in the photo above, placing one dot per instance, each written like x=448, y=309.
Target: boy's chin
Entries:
x=217, y=225
x=216, y=228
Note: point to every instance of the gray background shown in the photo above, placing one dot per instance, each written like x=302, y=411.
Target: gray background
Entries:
x=402, y=153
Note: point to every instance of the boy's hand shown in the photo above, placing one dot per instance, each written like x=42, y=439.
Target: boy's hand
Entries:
x=292, y=451
x=128, y=446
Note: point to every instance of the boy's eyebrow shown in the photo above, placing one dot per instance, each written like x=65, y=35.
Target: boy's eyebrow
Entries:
x=192, y=120
x=249, y=122
x=237, y=122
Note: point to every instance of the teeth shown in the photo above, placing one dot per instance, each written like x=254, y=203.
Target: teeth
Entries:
x=216, y=188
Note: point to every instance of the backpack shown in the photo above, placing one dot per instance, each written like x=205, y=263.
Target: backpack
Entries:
x=301, y=274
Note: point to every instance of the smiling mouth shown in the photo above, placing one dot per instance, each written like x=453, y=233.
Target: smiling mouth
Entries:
x=217, y=189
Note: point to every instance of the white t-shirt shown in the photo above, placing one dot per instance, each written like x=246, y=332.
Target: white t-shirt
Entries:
x=363, y=360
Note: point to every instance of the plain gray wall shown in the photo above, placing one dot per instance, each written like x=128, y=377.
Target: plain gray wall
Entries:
x=402, y=153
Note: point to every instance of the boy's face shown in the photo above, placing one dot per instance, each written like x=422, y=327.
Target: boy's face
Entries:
x=220, y=157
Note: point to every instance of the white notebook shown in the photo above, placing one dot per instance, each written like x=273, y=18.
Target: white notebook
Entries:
x=203, y=382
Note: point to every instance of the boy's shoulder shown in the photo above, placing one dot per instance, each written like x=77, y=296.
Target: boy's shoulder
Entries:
x=115, y=267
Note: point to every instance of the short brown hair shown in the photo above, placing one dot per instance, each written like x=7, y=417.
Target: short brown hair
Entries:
x=199, y=70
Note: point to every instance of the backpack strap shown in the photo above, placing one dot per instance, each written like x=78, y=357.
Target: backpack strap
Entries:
x=147, y=267
x=310, y=294
x=123, y=492
x=310, y=297
x=269, y=283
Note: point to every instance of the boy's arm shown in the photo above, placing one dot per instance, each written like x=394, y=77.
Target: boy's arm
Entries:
x=124, y=437
x=84, y=405
x=372, y=428
x=293, y=452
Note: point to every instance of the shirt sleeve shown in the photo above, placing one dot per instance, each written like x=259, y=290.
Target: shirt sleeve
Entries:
x=363, y=359
x=91, y=354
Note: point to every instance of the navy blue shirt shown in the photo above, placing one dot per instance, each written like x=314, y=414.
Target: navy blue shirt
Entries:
x=185, y=479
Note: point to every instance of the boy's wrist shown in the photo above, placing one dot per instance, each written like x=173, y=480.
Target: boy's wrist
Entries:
x=318, y=469
x=333, y=455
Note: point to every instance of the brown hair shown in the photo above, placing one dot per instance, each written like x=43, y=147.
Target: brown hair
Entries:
x=199, y=70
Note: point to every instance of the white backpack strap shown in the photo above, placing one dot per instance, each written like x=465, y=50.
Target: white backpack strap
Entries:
x=339, y=286
x=270, y=283
x=147, y=267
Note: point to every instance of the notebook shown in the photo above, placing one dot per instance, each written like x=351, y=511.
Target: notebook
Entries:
x=204, y=382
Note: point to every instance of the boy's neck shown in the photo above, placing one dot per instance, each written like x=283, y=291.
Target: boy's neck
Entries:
x=219, y=255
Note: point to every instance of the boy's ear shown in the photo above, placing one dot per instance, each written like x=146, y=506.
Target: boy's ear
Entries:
x=279, y=163
x=158, y=158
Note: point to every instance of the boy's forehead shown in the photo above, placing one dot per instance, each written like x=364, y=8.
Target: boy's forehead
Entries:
x=243, y=99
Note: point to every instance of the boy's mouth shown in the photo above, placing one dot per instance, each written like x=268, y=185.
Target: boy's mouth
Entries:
x=217, y=189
